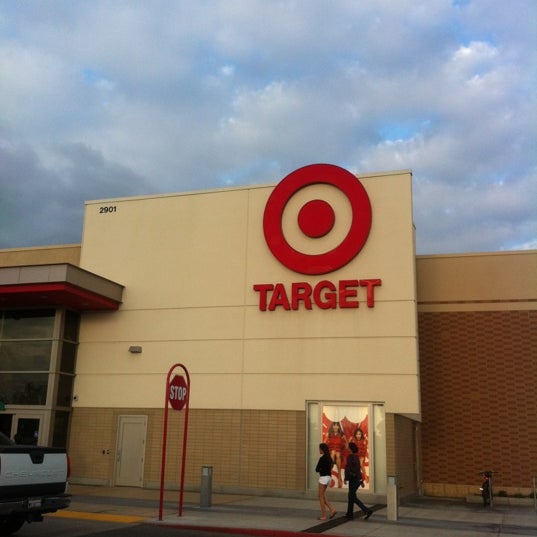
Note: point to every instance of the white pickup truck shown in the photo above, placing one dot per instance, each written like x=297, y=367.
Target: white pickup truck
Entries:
x=33, y=481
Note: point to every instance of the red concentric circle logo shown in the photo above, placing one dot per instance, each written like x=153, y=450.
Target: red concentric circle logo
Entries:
x=316, y=219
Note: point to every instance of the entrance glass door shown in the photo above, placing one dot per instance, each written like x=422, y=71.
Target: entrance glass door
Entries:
x=6, y=424
x=27, y=430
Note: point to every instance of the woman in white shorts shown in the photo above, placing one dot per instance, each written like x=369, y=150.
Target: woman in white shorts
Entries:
x=324, y=469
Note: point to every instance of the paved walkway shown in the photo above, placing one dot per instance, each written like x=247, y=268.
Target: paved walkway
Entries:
x=422, y=517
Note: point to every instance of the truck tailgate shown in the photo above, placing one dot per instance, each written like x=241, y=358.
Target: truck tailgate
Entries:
x=32, y=470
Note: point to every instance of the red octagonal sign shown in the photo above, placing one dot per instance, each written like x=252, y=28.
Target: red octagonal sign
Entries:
x=178, y=393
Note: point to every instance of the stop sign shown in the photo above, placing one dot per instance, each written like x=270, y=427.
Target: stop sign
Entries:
x=178, y=393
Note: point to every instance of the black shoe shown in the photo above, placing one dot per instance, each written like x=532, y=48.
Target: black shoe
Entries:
x=368, y=514
x=349, y=516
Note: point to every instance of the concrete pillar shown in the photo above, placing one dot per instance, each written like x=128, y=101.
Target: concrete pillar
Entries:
x=392, y=498
x=206, y=488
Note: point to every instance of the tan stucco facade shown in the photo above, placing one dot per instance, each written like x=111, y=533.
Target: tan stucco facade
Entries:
x=483, y=281
x=189, y=263
x=68, y=253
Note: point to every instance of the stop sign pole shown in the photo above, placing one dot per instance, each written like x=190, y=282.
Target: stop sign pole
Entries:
x=178, y=396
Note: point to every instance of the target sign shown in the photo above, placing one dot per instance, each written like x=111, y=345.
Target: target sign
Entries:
x=316, y=219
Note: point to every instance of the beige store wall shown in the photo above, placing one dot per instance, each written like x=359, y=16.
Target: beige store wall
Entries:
x=189, y=262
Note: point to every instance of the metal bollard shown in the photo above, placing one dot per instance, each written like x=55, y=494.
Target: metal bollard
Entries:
x=392, y=498
x=206, y=488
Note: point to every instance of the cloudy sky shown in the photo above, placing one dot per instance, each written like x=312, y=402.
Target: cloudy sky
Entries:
x=108, y=98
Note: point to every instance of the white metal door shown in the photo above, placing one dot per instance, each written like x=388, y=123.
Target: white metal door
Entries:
x=130, y=453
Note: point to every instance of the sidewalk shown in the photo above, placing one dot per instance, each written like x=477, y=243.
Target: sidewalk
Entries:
x=421, y=517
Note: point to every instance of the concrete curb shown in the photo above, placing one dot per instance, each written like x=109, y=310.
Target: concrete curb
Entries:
x=502, y=500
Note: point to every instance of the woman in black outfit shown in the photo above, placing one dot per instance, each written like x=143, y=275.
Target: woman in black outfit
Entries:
x=353, y=474
x=324, y=469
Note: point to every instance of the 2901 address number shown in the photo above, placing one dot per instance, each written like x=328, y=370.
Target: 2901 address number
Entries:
x=108, y=209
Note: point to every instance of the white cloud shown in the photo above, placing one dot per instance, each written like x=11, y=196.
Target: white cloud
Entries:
x=167, y=96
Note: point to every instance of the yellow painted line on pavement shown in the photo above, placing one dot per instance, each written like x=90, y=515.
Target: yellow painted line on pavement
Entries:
x=102, y=517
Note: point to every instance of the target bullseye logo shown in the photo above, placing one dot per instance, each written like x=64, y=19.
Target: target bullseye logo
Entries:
x=316, y=219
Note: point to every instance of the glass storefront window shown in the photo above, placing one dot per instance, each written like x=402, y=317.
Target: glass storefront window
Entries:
x=379, y=438
x=339, y=425
x=65, y=390
x=27, y=324
x=38, y=356
x=61, y=427
x=314, y=439
x=72, y=323
x=68, y=357
x=25, y=355
x=23, y=388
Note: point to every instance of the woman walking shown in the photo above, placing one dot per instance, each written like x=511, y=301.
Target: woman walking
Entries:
x=324, y=469
x=353, y=475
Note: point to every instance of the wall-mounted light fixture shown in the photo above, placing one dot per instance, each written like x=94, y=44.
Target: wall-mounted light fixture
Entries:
x=135, y=349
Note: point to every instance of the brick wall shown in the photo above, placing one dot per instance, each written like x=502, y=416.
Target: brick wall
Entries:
x=479, y=398
x=91, y=434
x=406, y=455
x=401, y=452
x=249, y=448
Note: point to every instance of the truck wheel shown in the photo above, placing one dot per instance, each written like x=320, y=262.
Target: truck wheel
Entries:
x=10, y=525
